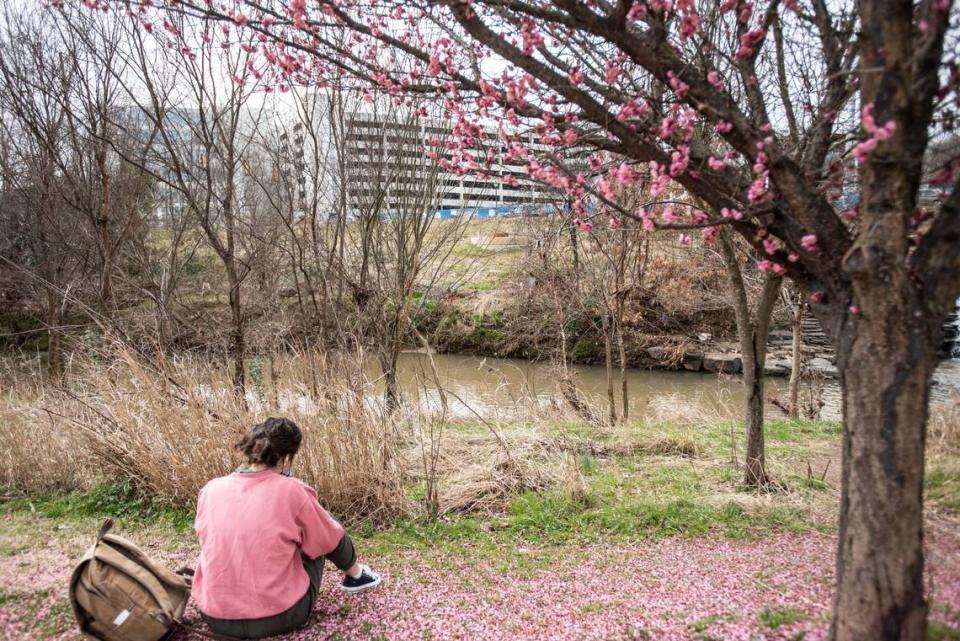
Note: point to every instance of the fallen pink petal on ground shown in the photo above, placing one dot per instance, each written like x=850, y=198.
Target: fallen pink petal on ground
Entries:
x=670, y=589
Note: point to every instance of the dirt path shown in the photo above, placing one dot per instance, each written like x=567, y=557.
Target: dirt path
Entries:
x=671, y=589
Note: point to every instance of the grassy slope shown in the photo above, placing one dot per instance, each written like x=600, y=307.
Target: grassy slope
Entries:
x=666, y=481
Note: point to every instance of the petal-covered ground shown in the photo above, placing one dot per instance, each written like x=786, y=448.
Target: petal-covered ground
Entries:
x=777, y=587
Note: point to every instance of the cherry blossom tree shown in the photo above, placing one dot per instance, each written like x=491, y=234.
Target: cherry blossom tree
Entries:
x=765, y=112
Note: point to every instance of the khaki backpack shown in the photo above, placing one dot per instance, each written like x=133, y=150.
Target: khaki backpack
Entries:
x=119, y=593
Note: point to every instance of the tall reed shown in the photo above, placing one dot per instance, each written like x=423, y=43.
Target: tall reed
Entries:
x=171, y=427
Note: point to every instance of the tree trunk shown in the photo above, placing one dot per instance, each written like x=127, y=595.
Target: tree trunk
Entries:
x=624, y=396
x=237, y=344
x=104, y=225
x=607, y=328
x=391, y=395
x=752, y=330
x=105, y=246
x=796, y=365
x=575, y=250
x=885, y=377
x=753, y=341
x=54, y=321
x=755, y=474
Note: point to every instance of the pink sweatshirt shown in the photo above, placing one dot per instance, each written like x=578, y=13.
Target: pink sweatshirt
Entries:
x=253, y=527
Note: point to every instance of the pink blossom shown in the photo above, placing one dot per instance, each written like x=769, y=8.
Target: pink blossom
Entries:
x=647, y=218
x=723, y=127
x=669, y=216
x=809, y=242
x=710, y=234
x=298, y=11
x=632, y=109
x=625, y=174
x=531, y=37
x=679, y=160
x=817, y=297
x=863, y=149
x=749, y=42
x=611, y=71
x=881, y=133
x=689, y=25
x=854, y=309
x=575, y=76
x=792, y=257
x=878, y=133
x=770, y=267
x=581, y=225
x=771, y=245
x=758, y=189
x=614, y=223
x=715, y=163
x=667, y=126
x=570, y=136
x=734, y=214
x=605, y=187
x=679, y=86
x=713, y=77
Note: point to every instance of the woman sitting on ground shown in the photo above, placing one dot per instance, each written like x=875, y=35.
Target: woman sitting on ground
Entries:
x=263, y=541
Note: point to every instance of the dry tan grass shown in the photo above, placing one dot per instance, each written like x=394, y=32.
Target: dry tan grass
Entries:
x=943, y=427
x=171, y=431
x=678, y=409
x=34, y=451
x=481, y=472
x=672, y=446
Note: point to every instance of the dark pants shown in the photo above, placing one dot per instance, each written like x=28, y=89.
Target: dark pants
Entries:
x=343, y=557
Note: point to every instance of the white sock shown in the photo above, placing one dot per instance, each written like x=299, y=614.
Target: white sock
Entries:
x=357, y=573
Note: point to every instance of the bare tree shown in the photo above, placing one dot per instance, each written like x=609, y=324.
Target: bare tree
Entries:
x=203, y=116
x=393, y=249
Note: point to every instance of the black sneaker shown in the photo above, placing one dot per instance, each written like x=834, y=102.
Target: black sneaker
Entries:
x=367, y=580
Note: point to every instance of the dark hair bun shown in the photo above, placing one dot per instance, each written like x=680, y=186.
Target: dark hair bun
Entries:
x=270, y=441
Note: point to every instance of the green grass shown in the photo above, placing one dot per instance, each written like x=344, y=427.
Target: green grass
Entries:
x=940, y=632
x=701, y=626
x=471, y=250
x=799, y=431
x=484, y=285
x=115, y=500
x=943, y=488
x=637, y=491
x=773, y=618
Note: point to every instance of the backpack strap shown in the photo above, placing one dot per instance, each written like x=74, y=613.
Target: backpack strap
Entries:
x=104, y=529
x=162, y=572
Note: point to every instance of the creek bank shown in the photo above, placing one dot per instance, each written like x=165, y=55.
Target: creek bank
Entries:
x=491, y=335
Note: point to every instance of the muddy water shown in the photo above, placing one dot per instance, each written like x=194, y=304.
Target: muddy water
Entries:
x=497, y=387
x=500, y=388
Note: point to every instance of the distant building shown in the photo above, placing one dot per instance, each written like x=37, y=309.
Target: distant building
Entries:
x=374, y=156
x=375, y=148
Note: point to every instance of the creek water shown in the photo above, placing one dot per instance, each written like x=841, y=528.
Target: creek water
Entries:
x=501, y=388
